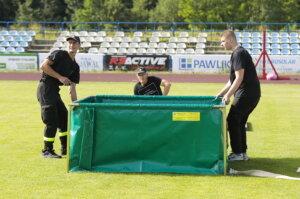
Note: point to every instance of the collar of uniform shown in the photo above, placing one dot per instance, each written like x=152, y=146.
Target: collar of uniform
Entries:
x=236, y=47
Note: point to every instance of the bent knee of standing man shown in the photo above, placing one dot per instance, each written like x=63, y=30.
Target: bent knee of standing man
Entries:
x=50, y=119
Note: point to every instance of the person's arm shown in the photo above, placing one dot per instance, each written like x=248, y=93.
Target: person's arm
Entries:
x=224, y=90
x=46, y=68
x=239, y=76
x=72, y=92
x=166, y=85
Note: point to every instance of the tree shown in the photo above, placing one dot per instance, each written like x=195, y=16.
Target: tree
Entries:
x=44, y=10
x=139, y=12
x=102, y=11
x=72, y=7
x=8, y=10
x=166, y=11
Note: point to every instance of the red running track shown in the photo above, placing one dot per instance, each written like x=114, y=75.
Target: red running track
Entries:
x=130, y=77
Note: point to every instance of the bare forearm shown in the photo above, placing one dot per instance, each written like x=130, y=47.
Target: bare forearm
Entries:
x=72, y=92
x=167, y=89
x=224, y=90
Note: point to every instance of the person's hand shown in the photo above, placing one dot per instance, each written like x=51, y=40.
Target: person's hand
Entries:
x=226, y=99
x=65, y=80
x=218, y=96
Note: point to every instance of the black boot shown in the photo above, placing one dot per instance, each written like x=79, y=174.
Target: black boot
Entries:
x=48, y=151
x=63, y=140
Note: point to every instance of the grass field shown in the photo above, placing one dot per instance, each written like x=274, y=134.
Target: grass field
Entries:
x=273, y=146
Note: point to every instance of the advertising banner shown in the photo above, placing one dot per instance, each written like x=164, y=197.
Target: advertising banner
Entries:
x=132, y=62
x=201, y=63
x=221, y=63
x=21, y=62
x=282, y=63
x=87, y=62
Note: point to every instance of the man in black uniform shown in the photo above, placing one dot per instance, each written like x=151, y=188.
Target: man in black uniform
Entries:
x=150, y=85
x=59, y=68
x=245, y=87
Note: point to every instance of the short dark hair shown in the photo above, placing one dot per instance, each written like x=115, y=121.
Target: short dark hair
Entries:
x=228, y=33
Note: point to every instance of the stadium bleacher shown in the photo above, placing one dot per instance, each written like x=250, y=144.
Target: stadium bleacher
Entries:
x=118, y=42
x=136, y=42
x=14, y=41
x=277, y=43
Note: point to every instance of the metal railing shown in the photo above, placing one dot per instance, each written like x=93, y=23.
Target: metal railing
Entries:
x=146, y=26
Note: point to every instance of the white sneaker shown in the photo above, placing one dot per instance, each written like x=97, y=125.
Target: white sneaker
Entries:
x=236, y=157
x=245, y=156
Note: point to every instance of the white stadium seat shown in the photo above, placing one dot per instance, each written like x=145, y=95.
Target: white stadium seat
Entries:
x=173, y=40
x=93, y=50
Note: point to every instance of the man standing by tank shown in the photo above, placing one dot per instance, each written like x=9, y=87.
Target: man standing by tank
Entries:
x=59, y=68
x=245, y=87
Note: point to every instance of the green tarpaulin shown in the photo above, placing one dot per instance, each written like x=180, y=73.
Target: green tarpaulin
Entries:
x=169, y=134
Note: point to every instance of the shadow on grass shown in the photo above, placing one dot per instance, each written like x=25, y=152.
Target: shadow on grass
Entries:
x=284, y=166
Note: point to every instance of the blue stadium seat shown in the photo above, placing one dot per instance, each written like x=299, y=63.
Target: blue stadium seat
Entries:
x=275, y=35
x=27, y=38
x=275, y=40
x=247, y=45
x=13, y=32
x=295, y=52
x=2, y=49
x=31, y=33
x=256, y=34
x=285, y=46
x=14, y=44
x=294, y=40
x=285, y=52
x=295, y=46
x=256, y=40
x=2, y=38
x=256, y=51
x=18, y=38
x=275, y=46
x=238, y=34
x=294, y=34
x=246, y=34
x=4, y=33
x=23, y=44
x=246, y=40
x=9, y=38
x=275, y=52
x=22, y=33
x=258, y=46
x=284, y=40
x=5, y=44
x=20, y=50
x=10, y=49
x=284, y=34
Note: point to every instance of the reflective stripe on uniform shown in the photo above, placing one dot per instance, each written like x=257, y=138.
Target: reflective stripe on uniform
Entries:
x=63, y=134
x=49, y=139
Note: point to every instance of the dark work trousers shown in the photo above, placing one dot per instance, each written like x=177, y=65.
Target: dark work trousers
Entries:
x=54, y=113
x=236, y=120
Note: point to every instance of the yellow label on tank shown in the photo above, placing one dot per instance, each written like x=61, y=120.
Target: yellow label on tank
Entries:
x=186, y=116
